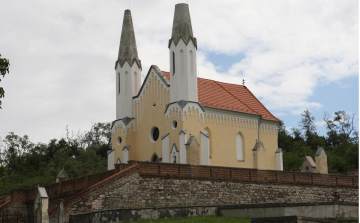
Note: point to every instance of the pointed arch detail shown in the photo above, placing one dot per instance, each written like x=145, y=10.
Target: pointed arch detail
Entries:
x=240, y=147
x=154, y=158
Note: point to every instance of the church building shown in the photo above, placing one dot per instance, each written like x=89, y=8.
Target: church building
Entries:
x=176, y=117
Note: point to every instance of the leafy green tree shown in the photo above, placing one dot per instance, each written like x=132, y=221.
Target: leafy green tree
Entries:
x=341, y=128
x=4, y=68
x=14, y=149
x=285, y=140
x=27, y=163
x=307, y=123
x=313, y=140
x=98, y=138
x=292, y=161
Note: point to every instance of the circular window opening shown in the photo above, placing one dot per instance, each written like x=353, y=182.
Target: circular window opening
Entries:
x=155, y=133
x=119, y=139
x=174, y=124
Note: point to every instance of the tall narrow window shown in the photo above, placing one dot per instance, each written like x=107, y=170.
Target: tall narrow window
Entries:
x=173, y=63
x=133, y=90
x=239, y=148
x=182, y=65
x=119, y=82
x=205, y=147
x=191, y=62
x=127, y=83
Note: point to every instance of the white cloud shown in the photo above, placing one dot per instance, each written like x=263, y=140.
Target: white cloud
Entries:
x=320, y=123
x=62, y=54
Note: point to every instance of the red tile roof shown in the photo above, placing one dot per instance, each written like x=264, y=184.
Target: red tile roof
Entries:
x=230, y=97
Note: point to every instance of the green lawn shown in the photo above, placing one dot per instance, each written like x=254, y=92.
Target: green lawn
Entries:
x=211, y=219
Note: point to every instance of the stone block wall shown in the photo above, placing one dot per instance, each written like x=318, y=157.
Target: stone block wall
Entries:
x=138, y=191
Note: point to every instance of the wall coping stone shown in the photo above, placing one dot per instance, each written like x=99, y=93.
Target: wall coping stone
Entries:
x=273, y=205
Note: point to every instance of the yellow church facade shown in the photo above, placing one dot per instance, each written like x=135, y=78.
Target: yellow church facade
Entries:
x=176, y=117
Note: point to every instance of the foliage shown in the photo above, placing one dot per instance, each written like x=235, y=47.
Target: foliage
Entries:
x=210, y=219
x=341, y=143
x=4, y=68
x=24, y=163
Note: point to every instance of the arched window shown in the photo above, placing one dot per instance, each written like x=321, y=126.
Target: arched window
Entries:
x=174, y=154
x=205, y=147
x=173, y=56
x=154, y=158
x=239, y=147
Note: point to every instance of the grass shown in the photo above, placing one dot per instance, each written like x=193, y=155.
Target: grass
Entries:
x=210, y=219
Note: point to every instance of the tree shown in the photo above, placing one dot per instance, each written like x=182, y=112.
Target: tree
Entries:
x=341, y=128
x=99, y=138
x=284, y=138
x=307, y=123
x=4, y=67
x=313, y=140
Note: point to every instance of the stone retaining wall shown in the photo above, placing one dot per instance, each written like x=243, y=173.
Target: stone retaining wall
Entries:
x=136, y=191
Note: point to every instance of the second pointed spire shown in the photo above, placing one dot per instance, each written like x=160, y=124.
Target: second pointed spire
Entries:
x=128, y=49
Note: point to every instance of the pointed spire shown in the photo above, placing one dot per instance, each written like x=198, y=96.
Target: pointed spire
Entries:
x=182, y=25
x=127, y=49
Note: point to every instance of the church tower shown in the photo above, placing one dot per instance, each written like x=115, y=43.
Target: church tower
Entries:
x=182, y=49
x=128, y=70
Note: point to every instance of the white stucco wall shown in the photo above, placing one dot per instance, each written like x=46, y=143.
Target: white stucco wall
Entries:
x=184, y=81
x=279, y=161
x=165, y=149
x=130, y=83
x=205, y=149
x=182, y=147
x=111, y=158
x=125, y=155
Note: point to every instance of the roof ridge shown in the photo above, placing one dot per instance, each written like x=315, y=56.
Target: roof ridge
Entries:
x=236, y=97
x=219, y=83
x=262, y=104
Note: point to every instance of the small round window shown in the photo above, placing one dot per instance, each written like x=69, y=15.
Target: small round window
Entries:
x=174, y=124
x=155, y=133
x=119, y=139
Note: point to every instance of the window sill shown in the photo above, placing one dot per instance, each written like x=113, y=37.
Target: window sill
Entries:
x=241, y=160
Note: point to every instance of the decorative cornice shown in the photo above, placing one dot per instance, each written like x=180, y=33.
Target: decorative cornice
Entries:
x=126, y=147
x=177, y=39
x=122, y=61
x=205, y=134
x=159, y=73
x=181, y=102
x=182, y=131
x=191, y=140
x=125, y=120
x=163, y=137
x=174, y=146
x=258, y=145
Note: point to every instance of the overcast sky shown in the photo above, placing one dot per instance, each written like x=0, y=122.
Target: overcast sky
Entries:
x=293, y=55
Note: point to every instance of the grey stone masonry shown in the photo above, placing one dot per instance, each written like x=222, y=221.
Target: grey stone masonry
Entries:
x=135, y=191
